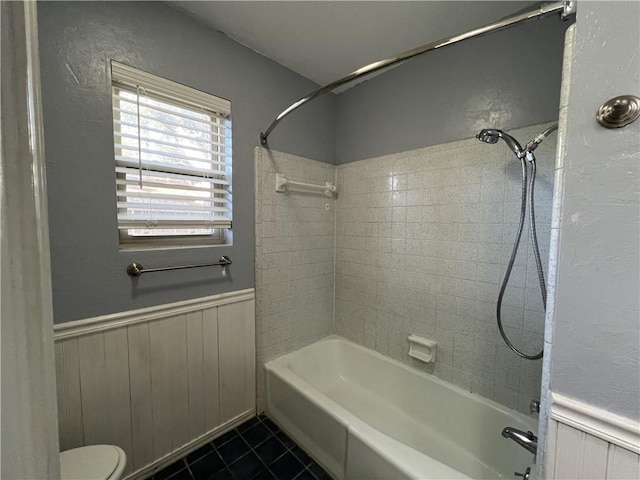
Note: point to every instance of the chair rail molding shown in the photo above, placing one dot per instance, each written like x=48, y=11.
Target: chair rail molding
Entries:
x=88, y=326
x=597, y=422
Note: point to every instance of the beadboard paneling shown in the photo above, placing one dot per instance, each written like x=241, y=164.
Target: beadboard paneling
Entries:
x=69, y=399
x=211, y=373
x=237, y=358
x=622, y=463
x=568, y=452
x=154, y=387
x=167, y=398
x=140, y=380
x=104, y=387
x=594, y=458
x=195, y=374
x=579, y=455
x=588, y=443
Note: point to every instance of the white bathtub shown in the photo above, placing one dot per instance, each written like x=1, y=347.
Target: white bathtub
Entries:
x=366, y=416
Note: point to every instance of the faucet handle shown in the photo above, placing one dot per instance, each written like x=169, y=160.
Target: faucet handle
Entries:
x=525, y=475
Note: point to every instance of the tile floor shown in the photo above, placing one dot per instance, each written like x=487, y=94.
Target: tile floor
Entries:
x=257, y=449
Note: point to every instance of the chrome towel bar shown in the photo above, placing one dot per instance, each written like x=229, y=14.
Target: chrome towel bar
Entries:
x=135, y=269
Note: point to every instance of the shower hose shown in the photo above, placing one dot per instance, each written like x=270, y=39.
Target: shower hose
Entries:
x=527, y=196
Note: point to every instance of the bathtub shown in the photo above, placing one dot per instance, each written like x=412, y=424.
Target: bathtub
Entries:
x=362, y=415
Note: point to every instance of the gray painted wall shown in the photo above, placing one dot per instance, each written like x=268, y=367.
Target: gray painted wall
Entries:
x=596, y=344
x=76, y=42
x=505, y=80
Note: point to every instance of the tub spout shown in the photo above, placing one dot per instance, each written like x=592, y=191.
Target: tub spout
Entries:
x=525, y=439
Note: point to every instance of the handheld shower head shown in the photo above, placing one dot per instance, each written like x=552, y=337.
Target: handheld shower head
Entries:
x=488, y=136
x=492, y=136
x=528, y=164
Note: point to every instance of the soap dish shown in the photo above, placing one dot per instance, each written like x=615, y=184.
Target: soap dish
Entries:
x=422, y=349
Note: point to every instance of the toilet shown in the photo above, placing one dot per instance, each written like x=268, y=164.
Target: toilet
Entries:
x=93, y=462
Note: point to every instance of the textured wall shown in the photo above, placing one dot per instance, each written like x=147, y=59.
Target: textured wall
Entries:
x=77, y=39
x=422, y=241
x=294, y=257
x=596, y=343
x=505, y=80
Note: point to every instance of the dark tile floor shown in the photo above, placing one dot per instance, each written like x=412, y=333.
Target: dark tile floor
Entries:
x=257, y=449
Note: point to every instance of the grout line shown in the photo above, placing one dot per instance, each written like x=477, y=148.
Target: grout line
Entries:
x=305, y=468
x=188, y=468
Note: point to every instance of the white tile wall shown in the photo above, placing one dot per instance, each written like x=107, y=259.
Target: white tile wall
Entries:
x=422, y=242
x=294, y=257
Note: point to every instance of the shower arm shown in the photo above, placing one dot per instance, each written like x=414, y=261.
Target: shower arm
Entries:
x=565, y=8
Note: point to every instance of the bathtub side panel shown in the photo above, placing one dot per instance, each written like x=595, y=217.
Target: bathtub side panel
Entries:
x=371, y=456
x=364, y=462
x=311, y=425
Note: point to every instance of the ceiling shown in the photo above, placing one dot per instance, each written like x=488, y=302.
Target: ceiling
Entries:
x=326, y=40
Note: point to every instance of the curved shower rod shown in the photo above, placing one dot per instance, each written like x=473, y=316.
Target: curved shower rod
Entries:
x=565, y=8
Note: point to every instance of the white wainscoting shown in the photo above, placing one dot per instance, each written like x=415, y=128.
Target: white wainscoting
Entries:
x=585, y=442
x=159, y=381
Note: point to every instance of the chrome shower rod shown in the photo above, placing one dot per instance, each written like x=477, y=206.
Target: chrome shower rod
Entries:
x=566, y=9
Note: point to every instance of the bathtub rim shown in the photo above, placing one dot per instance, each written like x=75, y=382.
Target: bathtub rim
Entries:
x=283, y=362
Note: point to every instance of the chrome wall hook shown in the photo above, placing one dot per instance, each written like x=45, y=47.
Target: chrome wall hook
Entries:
x=619, y=111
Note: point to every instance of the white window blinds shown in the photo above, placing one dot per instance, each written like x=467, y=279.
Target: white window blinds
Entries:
x=172, y=156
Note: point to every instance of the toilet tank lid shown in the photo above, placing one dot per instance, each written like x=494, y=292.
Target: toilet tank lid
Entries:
x=93, y=462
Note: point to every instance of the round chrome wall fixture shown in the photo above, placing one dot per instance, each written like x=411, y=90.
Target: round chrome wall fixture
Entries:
x=619, y=111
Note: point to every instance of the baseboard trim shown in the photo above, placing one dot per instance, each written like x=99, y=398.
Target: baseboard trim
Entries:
x=193, y=445
x=88, y=326
x=595, y=421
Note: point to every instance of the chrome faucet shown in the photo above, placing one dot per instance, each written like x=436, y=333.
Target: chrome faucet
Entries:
x=525, y=439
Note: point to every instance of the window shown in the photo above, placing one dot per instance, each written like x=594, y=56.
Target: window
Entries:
x=172, y=161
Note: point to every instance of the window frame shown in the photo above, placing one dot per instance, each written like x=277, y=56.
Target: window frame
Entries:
x=129, y=79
